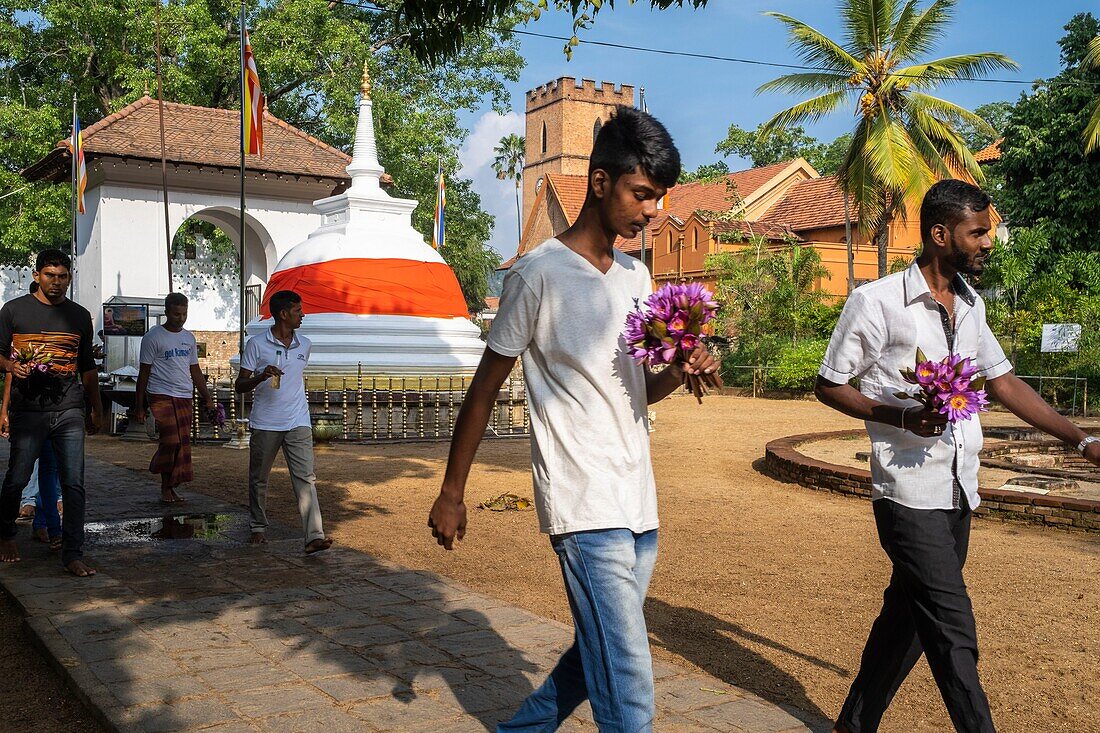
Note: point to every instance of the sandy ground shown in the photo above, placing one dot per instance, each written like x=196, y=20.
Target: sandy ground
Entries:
x=769, y=586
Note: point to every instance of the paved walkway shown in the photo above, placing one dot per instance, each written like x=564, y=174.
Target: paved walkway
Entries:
x=188, y=628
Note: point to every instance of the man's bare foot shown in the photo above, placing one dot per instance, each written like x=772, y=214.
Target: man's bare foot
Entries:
x=79, y=569
x=41, y=535
x=169, y=496
x=257, y=538
x=318, y=545
x=26, y=513
x=8, y=551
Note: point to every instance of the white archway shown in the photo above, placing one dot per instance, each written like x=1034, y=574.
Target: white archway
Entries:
x=211, y=283
x=122, y=248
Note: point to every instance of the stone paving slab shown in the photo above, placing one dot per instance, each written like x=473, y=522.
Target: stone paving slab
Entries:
x=189, y=628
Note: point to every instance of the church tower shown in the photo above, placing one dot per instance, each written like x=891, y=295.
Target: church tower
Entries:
x=562, y=121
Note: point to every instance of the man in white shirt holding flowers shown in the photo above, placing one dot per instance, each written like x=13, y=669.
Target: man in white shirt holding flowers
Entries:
x=564, y=308
x=924, y=469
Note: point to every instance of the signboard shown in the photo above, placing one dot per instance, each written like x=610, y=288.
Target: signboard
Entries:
x=1060, y=337
x=125, y=320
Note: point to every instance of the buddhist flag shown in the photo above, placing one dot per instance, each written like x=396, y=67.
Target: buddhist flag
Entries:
x=439, y=233
x=252, y=104
x=80, y=170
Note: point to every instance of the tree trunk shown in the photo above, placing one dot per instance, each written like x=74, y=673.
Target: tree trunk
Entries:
x=882, y=242
x=848, y=243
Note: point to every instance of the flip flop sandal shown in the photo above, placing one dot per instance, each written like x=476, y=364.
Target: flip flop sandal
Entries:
x=55, y=543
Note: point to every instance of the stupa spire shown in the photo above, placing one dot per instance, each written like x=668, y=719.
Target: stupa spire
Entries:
x=364, y=169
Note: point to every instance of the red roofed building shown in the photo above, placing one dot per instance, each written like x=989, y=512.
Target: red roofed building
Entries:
x=786, y=203
x=121, y=249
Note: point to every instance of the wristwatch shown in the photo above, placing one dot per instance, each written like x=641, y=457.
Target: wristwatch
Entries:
x=1085, y=443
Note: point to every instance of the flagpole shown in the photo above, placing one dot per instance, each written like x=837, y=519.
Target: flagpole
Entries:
x=163, y=158
x=240, y=260
x=642, y=89
x=72, y=203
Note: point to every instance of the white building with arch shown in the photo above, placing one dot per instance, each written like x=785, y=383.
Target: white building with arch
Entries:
x=121, y=248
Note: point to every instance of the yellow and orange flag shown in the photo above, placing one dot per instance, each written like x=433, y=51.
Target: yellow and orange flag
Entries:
x=253, y=104
x=80, y=170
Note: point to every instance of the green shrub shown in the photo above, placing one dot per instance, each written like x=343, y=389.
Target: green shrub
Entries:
x=797, y=365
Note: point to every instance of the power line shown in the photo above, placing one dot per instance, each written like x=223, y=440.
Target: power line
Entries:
x=726, y=59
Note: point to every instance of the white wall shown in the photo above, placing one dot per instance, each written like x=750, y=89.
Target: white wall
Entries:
x=122, y=249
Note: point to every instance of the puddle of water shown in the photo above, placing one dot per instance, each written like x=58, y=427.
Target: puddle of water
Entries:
x=207, y=527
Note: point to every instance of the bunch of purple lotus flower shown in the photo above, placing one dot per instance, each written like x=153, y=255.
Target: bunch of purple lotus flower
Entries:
x=670, y=329
x=217, y=415
x=36, y=357
x=948, y=387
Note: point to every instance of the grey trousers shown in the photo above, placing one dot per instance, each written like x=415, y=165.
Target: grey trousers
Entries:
x=297, y=445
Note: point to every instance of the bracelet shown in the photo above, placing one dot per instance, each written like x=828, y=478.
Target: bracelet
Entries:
x=1084, y=444
x=904, y=412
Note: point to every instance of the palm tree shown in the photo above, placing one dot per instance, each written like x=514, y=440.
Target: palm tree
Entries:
x=794, y=293
x=509, y=165
x=905, y=139
x=1092, y=130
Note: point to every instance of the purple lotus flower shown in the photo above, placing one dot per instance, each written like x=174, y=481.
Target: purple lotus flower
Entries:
x=963, y=405
x=670, y=325
x=926, y=373
x=949, y=386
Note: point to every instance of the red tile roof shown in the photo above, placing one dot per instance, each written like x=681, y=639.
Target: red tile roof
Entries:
x=990, y=154
x=570, y=192
x=813, y=204
x=774, y=232
x=200, y=136
x=687, y=198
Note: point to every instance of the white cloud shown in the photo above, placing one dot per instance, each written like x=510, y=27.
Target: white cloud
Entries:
x=497, y=197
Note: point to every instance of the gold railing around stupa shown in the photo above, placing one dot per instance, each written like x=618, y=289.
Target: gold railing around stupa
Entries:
x=376, y=408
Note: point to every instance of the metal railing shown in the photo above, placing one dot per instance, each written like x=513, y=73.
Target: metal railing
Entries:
x=373, y=408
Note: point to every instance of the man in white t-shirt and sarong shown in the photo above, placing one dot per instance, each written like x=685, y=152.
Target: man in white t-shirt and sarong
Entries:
x=169, y=371
x=563, y=309
x=274, y=364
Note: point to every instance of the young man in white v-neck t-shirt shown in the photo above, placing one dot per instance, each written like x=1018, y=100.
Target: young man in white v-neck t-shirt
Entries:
x=563, y=309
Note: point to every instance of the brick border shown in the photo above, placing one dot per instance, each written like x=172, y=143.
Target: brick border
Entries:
x=783, y=461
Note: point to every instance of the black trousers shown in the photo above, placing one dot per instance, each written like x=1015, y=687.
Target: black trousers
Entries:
x=64, y=430
x=924, y=609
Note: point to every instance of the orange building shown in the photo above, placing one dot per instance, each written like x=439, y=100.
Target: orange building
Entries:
x=787, y=203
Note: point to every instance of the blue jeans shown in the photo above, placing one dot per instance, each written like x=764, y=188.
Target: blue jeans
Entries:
x=63, y=430
x=30, y=491
x=49, y=490
x=606, y=575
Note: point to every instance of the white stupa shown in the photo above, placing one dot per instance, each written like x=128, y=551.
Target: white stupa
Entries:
x=376, y=296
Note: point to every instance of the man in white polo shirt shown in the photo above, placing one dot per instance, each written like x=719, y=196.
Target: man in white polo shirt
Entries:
x=169, y=371
x=273, y=364
x=924, y=470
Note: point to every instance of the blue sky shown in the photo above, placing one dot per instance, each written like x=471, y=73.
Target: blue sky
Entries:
x=697, y=99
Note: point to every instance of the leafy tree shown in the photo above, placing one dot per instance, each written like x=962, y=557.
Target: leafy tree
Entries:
x=310, y=57
x=996, y=114
x=1012, y=277
x=765, y=147
x=769, y=300
x=708, y=173
x=508, y=165
x=828, y=161
x=1023, y=293
x=439, y=31
x=1049, y=180
x=905, y=138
